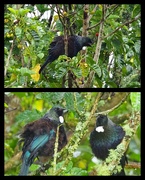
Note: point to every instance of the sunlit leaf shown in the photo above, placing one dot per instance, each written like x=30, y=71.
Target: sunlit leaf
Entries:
x=135, y=100
x=13, y=11
x=5, y=105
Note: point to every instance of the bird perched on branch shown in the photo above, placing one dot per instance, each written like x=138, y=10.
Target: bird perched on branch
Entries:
x=75, y=44
x=39, y=137
x=105, y=136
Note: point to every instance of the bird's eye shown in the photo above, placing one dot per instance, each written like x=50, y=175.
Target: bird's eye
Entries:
x=57, y=109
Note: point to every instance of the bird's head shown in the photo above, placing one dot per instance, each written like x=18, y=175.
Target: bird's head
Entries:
x=59, y=110
x=101, y=123
x=87, y=41
x=56, y=113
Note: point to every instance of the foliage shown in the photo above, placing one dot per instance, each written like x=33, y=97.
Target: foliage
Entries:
x=76, y=158
x=28, y=33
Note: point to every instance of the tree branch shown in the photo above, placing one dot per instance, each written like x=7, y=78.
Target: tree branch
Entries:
x=102, y=19
x=114, y=107
x=13, y=162
x=98, y=48
x=80, y=131
x=128, y=22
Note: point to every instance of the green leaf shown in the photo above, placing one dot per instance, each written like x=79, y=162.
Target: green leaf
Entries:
x=69, y=167
x=51, y=96
x=28, y=116
x=90, y=61
x=13, y=11
x=117, y=43
x=41, y=8
x=80, y=101
x=60, y=73
x=22, y=12
x=99, y=82
x=69, y=98
x=78, y=171
x=5, y=105
x=20, y=94
x=25, y=71
x=5, y=50
x=113, y=17
x=77, y=72
x=97, y=69
x=59, y=26
x=18, y=32
x=40, y=55
x=137, y=46
x=136, y=10
x=112, y=84
x=34, y=167
x=26, y=59
x=136, y=100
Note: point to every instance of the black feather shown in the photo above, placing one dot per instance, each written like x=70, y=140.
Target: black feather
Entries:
x=56, y=48
x=110, y=138
x=39, y=138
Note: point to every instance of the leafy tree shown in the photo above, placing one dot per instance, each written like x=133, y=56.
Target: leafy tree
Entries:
x=114, y=28
x=76, y=158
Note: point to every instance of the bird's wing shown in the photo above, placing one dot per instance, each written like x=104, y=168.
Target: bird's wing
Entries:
x=56, y=49
x=35, y=145
x=54, y=42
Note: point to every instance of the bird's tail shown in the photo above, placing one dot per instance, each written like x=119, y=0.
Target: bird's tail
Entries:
x=24, y=169
x=43, y=66
x=122, y=163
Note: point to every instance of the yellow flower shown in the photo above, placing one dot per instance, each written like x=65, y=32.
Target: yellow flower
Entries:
x=36, y=76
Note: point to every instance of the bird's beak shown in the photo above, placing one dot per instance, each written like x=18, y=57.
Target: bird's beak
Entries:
x=65, y=111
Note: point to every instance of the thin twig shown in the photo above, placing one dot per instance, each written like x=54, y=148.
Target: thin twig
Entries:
x=9, y=56
x=133, y=165
x=111, y=12
x=59, y=15
x=90, y=16
x=7, y=111
x=115, y=107
x=97, y=51
x=55, y=150
x=103, y=19
x=128, y=22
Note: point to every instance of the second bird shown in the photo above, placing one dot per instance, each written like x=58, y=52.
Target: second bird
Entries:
x=75, y=44
x=105, y=136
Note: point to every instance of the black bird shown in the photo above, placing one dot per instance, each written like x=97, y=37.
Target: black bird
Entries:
x=39, y=138
x=75, y=44
x=105, y=136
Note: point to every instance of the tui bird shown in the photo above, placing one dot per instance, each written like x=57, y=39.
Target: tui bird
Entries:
x=105, y=136
x=75, y=44
x=39, y=137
